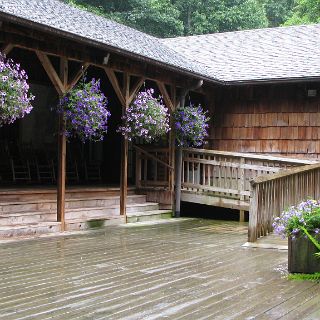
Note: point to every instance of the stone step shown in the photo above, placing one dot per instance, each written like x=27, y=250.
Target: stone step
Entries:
x=151, y=215
x=13, y=218
x=37, y=205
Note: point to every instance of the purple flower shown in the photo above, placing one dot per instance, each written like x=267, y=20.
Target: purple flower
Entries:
x=15, y=98
x=146, y=118
x=191, y=126
x=85, y=111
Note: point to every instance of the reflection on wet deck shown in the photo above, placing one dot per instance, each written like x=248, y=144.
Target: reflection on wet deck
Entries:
x=187, y=269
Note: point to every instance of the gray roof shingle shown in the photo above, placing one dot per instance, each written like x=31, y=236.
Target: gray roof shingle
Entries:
x=71, y=20
x=243, y=56
x=255, y=55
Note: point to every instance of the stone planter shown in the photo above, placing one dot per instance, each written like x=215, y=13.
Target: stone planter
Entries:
x=301, y=258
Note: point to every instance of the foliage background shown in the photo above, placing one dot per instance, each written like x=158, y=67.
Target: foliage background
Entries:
x=169, y=18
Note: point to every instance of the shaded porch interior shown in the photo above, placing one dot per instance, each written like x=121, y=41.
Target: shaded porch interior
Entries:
x=29, y=147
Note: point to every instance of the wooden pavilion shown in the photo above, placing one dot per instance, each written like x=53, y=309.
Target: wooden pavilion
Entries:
x=262, y=86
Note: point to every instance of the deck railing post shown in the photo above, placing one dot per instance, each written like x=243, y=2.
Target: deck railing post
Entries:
x=253, y=213
x=241, y=186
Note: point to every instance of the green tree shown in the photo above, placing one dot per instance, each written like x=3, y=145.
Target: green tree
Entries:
x=207, y=16
x=169, y=18
x=278, y=11
x=305, y=12
x=157, y=17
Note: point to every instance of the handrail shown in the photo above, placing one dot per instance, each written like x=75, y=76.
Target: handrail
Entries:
x=282, y=174
x=272, y=194
x=153, y=157
x=250, y=156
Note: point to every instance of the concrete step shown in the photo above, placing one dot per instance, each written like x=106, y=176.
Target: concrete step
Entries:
x=51, y=205
x=29, y=229
x=110, y=212
x=97, y=221
x=29, y=217
x=148, y=215
x=50, y=193
x=40, y=228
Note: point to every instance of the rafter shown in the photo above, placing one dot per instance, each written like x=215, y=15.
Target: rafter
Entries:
x=53, y=45
x=78, y=76
x=135, y=88
x=51, y=72
x=116, y=86
x=166, y=97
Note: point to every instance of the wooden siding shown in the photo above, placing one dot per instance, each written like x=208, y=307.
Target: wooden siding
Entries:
x=275, y=119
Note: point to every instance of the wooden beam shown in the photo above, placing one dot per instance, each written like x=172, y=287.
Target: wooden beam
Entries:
x=136, y=87
x=62, y=146
x=172, y=149
x=166, y=97
x=6, y=48
x=124, y=152
x=78, y=76
x=34, y=40
x=51, y=72
x=116, y=86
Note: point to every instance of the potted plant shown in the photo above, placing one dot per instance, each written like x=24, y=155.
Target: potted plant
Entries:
x=301, y=224
x=85, y=111
x=191, y=124
x=146, y=118
x=15, y=98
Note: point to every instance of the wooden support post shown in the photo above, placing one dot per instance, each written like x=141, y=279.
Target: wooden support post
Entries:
x=125, y=96
x=178, y=181
x=170, y=102
x=124, y=151
x=178, y=166
x=61, y=84
x=62, y=145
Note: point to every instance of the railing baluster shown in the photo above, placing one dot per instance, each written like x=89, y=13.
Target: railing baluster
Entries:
x=271, y=194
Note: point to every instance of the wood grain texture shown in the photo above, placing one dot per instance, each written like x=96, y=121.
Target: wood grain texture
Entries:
x=266, y=120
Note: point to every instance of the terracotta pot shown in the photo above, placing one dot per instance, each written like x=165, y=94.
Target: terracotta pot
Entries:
x=301, y=258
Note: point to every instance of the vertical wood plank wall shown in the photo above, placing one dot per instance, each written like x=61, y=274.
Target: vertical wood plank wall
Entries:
x=275, y=119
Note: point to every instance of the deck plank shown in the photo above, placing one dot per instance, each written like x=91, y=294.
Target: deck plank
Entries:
x=186, y=269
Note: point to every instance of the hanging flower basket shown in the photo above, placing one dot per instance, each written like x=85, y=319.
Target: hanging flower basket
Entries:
x=191, y=124
x=15, y=98
x=146, y=118
x=301, y=224
x=85, y=111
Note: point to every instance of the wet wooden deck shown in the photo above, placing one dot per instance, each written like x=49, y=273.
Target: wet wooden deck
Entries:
x=191, y=269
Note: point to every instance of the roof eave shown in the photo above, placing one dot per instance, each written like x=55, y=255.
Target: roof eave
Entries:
x=71, y=36
x=272, y=81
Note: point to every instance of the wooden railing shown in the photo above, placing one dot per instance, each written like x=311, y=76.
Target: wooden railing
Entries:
x=152, y=167
x=272, y=194
x=228, y=174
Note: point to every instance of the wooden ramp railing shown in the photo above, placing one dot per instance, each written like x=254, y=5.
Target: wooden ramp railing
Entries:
x=222, y=178
x=272, y=194
x=152, y=168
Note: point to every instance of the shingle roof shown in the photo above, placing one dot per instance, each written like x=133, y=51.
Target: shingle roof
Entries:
x=283, y=53
x=70, y=20
x=256, y=55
